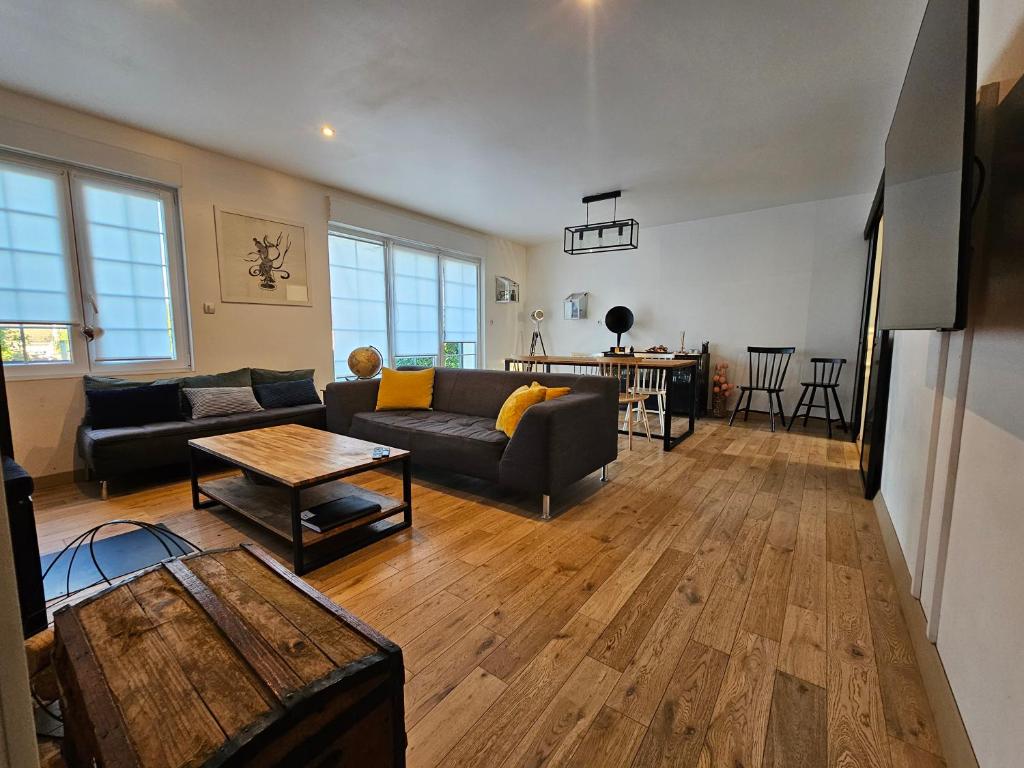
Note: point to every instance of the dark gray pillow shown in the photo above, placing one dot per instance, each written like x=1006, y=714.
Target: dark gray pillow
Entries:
x=220, y=401
x=270, y=376
x=133, y=406
x=239, y=378
x=287, y=394
x=100, y=383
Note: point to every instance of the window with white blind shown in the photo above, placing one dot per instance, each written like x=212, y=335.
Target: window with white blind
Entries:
x=417, y=305
x=416, y=299
x=461, y=312
x=359, y=302
x=91, y=274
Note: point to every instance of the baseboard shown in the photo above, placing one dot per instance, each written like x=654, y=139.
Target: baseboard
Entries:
x=956, y=744
x=57, y=478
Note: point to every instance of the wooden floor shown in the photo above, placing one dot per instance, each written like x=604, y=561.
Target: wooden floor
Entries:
x=726, y=604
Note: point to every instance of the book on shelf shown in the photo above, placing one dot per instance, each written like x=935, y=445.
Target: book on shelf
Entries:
x=323, y=517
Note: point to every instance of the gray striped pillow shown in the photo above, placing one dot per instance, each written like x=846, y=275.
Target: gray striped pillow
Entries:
x=221, y=401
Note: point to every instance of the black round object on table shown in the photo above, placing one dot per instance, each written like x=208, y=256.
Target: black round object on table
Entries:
x=618, y=320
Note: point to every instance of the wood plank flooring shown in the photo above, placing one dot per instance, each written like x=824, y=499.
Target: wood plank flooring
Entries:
x=726, y=604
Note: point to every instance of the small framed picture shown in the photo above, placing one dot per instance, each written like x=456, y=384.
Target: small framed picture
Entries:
x=506, y=290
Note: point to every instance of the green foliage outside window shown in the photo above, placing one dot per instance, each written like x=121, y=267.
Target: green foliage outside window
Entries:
x=453, y=357
x=11, y=348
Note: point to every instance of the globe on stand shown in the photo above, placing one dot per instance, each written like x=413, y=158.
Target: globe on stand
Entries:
x=365, y=362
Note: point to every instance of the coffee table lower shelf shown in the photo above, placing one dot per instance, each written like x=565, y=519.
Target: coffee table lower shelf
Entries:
x=275, y=508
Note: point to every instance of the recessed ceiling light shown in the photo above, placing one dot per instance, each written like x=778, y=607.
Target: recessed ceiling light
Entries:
x=327, y=131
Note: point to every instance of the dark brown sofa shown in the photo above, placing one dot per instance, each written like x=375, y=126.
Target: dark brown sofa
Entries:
x=557, y=442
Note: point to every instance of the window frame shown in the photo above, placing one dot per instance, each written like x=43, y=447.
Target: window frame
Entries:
x=373, y=240
x=83, y=360
x=79, y=363
x=389, y=243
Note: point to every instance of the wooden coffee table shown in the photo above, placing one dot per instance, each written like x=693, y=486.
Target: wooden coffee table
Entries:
x=292, y=468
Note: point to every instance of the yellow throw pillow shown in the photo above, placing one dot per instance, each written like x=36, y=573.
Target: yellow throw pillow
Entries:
x=400, y=390
x=515, y=406
x=550, y=393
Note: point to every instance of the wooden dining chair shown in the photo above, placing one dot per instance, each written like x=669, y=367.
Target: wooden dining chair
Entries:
x=825, y=378
x=766, y=372
x=625, y=373
x=650, y=382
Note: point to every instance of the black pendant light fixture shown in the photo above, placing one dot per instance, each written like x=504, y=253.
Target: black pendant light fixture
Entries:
x=614, y=235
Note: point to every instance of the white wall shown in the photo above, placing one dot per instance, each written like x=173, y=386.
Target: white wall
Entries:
x=969, y=550
x=786, y=276
x=46, y=413
x=909, y=433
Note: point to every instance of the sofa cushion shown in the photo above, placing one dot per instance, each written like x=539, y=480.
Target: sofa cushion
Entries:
x=96, y=383
x=221, y=401
x=456, y=441
x=242, y=377
x=238, y=378
x=131, y=406
x=270, y=376
x=405, y=390
x=552, y=393
x=282, y=394
x=515, y=406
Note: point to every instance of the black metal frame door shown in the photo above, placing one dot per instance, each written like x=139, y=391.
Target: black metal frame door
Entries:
x=873, y=393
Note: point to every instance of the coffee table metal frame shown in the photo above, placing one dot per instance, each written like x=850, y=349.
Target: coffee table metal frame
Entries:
x=350, y=539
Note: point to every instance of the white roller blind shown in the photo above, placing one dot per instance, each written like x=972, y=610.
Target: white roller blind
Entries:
x=415, y=302
x=35, y=264
x=129, y=281
x=461, y=294
x=359, y=311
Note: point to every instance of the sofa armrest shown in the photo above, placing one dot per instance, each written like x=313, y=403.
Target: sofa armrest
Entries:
x=344, y=399
x=561, y=441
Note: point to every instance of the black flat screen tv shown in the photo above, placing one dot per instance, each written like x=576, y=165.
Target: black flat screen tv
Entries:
x=929, y=176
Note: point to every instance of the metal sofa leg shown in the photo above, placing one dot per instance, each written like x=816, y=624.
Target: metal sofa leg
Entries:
x=545, y=510
x=104, y=490
x=604, y=473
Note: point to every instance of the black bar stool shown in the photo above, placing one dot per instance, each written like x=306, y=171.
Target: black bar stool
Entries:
x=766, y=372
x=826, y=378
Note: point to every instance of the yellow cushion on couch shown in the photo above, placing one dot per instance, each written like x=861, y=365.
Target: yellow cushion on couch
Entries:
x=401, y=390
x=550, y=393
x=515, y=406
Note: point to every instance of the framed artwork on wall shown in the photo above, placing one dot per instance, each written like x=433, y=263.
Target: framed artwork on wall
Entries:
x=261, y=261
x=506, y=290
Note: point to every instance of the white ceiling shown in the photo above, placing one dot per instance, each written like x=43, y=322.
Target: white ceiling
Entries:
x=497, y=115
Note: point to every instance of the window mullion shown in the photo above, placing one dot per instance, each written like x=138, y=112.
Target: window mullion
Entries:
x=440, y=309
x=389, y=300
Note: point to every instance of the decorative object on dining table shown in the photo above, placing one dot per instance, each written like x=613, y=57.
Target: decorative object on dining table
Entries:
x=720, y=389
x=682, y=341
x=575, y=306
x=506, y=290
x=618, y=320
x=261, y=261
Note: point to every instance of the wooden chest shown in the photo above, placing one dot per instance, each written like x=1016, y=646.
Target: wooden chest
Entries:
x=225, y=658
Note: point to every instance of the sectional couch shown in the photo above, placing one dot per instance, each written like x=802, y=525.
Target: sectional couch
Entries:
x=557, y=442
